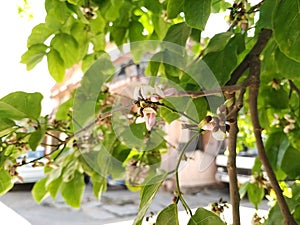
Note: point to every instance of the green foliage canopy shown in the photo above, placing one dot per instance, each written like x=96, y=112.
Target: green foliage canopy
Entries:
x=76, y=31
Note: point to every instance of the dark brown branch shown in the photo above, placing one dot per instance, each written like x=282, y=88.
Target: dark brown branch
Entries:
x=259, y=46
x=254, y=73
x=255, y=7
x=231, y=163
x=294, y=87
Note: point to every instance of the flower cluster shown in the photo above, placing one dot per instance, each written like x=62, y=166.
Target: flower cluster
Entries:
x=216, y=124
x=219, y=207
x=147, y=97
x=287, y=122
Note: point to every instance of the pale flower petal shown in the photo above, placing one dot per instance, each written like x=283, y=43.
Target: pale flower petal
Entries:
x=150, y=120
x=207, y=126
x=140, y=120
x=149, y=110
x=219, y=135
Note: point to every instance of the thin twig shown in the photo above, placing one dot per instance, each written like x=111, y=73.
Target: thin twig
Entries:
x=221, y=90
x=255, y=7
x=294, y=87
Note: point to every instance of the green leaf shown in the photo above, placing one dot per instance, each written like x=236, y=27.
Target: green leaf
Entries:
x=290, y=165
x=98, y=24
x=286, y=28
x=274, y=216
x=147, y=195
x=118, y=35
x=168, y=216
x=34, y=55
x=197, y=108
x=74, y=2
x=226, y=59
x=63, y=110
x=39, y=191
x=178, y=34
x=256, y=169
x=218, y=42
x=67, y=47
x=88, y=60
x=172, y=63
x=99, y=184
x=136, y=37
x=87, y=94
x=36, y=138
x=255, y=194
x=287, y=67
x=56, y=65
x=276, y=146
x=153, y=5
x=204, y=217
x=243, y=189
x=278, y=99
x=196, y=36
x=266, y=12
x=19, y=105
x=160, y=26
x=269, y=65
x=39, y=34
x=168, y=115
x=296, y=214
x=294, y=138
x=5, y=181
x=82, y=36
x=111, y=9
x=6, y=123
x=155, y=63
x=53, y=187
x=57, y=15
x=197, y=13
x=133, y=135
x=219, y=6
x=174, y=8
x=72, y=191
x=99, y=42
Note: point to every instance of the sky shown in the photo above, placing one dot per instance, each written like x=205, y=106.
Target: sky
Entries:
x=13, y=39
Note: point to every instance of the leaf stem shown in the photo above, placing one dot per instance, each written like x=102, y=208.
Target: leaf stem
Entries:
x=180, y=197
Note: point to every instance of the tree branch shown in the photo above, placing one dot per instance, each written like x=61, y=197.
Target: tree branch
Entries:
x=294, y=87
x=255, y=7
x=221, y=90
x=254, y=73
x=231, y=165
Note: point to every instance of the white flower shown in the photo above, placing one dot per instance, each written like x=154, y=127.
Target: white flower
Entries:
x=149, y=115
x=288, y=118
x=150, y=93
x=289, y=127
x=146, y=97
x=219, y=135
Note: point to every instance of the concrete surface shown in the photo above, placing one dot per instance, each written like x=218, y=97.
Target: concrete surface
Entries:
x=116, y=207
